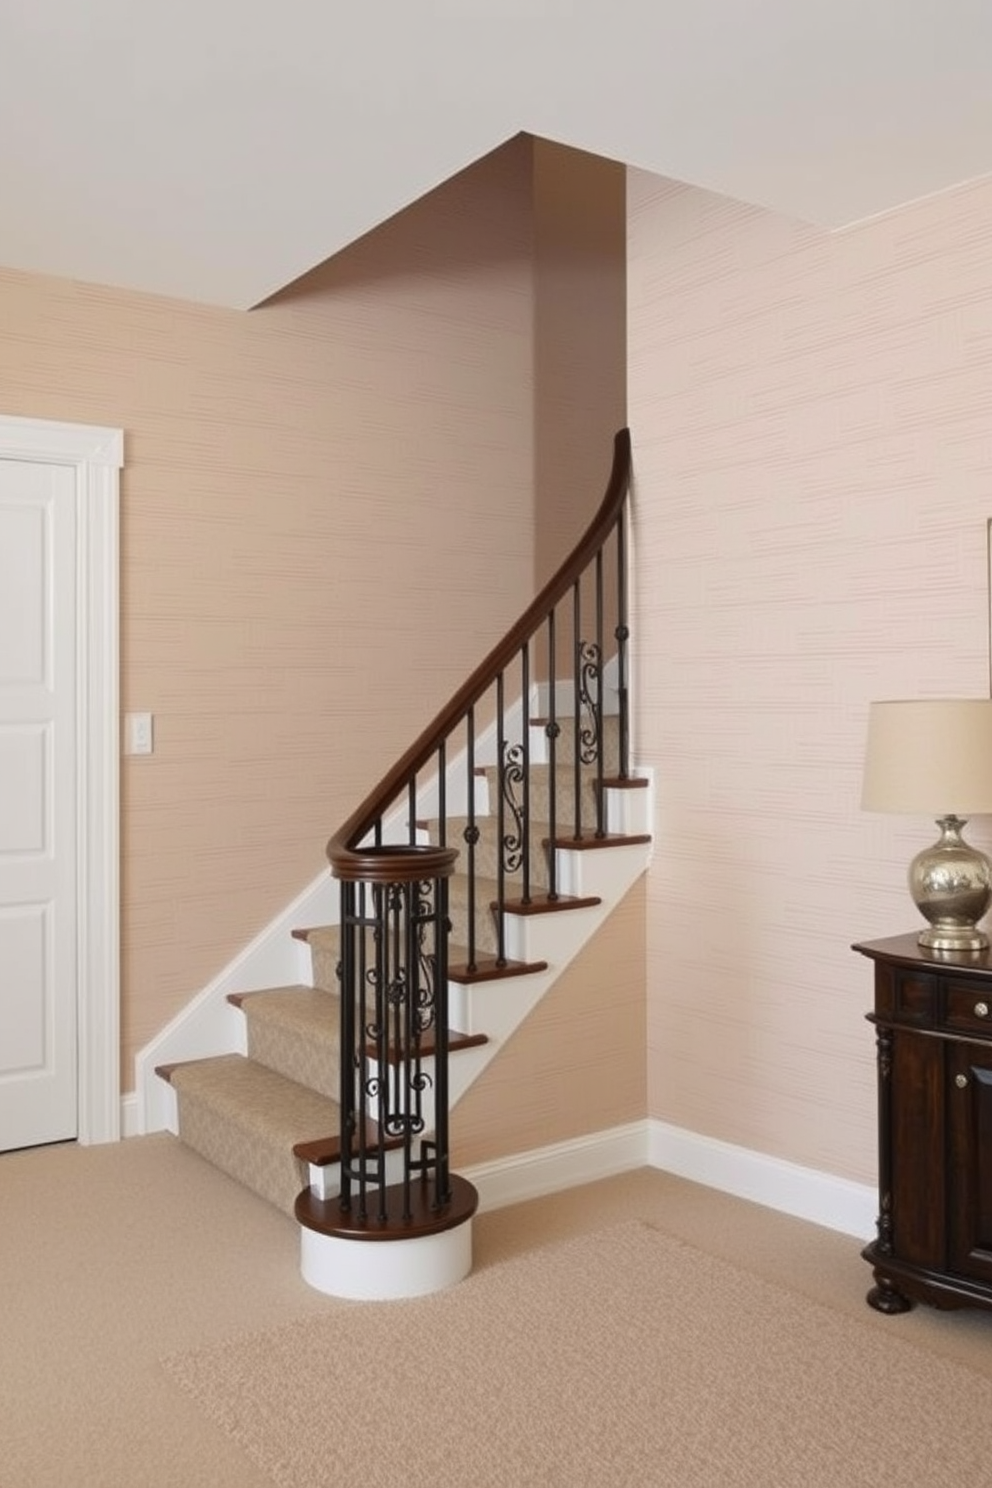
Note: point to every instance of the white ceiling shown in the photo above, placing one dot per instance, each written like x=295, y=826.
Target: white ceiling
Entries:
x=217, y=149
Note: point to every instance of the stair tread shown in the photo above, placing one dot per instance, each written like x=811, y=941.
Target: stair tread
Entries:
x=328, y=938
x=257, y=1099
x=315, y=1013
x=315, y=1009
x=487, y=969
x=540, y=780
x=320, y=935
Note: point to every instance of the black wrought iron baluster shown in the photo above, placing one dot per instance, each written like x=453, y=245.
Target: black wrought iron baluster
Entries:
x=377, y=1082
x=372, y=1157
x=347, y=974
x=622, y=636
x=577, y=710
x=514, y=841
x=405, y=1072
x=471, y=835
x=551, y=729
x=442, y=1187
x=598, y=702
x=360, y=1017
x=399, y=1049
x=442, y=795
x=500, y=826
x=525, y=765
x=411, y=810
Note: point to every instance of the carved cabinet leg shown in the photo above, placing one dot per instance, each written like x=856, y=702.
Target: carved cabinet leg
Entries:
x=885, y=1298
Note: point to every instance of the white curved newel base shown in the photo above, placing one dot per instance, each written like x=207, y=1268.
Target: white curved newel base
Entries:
x=384, y=1270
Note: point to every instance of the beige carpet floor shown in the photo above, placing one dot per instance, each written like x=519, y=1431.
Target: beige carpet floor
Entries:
x=112, y=1258
x=620, y=1357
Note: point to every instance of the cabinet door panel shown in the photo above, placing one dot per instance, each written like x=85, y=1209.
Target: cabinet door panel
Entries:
x=969, y=1105
x=916, y=1129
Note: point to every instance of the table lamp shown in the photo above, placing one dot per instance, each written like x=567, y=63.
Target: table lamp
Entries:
x=933, y=756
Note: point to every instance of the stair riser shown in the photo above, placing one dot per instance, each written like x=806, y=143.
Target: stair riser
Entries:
x=327, y=956
x=325, y=1182
x=486, y=940
x=312, y=1062
x=540, y=795
x=405, y=1102
x=565, y=744
x=487, y=852
x=268, y=1168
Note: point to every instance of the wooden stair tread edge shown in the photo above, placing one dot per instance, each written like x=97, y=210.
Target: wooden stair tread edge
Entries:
x=610, y=839
x=428, y=1044
x=541, y=904
x=326, y=1217
x=489, y=969
x=321, y=1152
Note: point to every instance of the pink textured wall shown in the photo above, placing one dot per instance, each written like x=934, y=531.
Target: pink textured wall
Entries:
x=580, y=346
x=327, y=519
x=811, y=418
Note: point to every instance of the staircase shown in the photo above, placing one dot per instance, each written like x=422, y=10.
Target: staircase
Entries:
x=468, y=879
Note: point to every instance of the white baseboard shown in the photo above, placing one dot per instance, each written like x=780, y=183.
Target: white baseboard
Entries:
x=130, y=1115
x=806, y=1193
x=547, y=1170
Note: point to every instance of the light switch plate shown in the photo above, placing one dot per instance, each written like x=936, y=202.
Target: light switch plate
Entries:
x=138, y=735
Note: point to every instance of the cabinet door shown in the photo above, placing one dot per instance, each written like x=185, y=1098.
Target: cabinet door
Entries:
x=915, y=1122
x=969, y=1126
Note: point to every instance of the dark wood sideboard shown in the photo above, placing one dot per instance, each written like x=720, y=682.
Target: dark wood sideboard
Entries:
x=933, y=1025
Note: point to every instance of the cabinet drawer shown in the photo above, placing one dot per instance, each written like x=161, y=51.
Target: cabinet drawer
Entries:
x=968, y=1009
x=914, y=999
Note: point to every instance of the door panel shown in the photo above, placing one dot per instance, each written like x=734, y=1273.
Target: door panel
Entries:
x=37, y=803
x=969, y=1095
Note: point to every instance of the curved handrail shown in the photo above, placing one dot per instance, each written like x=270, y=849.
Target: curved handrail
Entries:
x=346, y=859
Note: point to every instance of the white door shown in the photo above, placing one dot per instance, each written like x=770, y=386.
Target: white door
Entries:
x=38, y=827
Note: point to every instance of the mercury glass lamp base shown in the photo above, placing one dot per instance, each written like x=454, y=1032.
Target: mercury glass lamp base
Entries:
x=955, y=938
x=951, y=885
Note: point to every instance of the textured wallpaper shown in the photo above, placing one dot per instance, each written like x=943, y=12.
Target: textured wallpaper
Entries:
x=327, y=519
x=811, y=418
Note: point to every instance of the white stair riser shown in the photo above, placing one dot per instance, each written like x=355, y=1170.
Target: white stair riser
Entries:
x=325, y=1182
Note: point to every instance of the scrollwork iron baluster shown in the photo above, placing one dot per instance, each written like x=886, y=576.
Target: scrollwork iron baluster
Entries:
x=590, y=702
x=511, y=775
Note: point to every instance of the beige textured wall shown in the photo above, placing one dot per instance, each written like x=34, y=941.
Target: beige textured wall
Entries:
x=580, y=342
x=576, y=1066
x=327, y=518
x=811, y=423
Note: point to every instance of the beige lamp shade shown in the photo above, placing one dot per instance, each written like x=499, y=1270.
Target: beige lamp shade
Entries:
x=931, y=756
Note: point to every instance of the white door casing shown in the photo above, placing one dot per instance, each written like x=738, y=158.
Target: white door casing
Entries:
x=59, y=773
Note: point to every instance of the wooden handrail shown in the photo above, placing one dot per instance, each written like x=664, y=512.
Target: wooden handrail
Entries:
x=347, y=860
